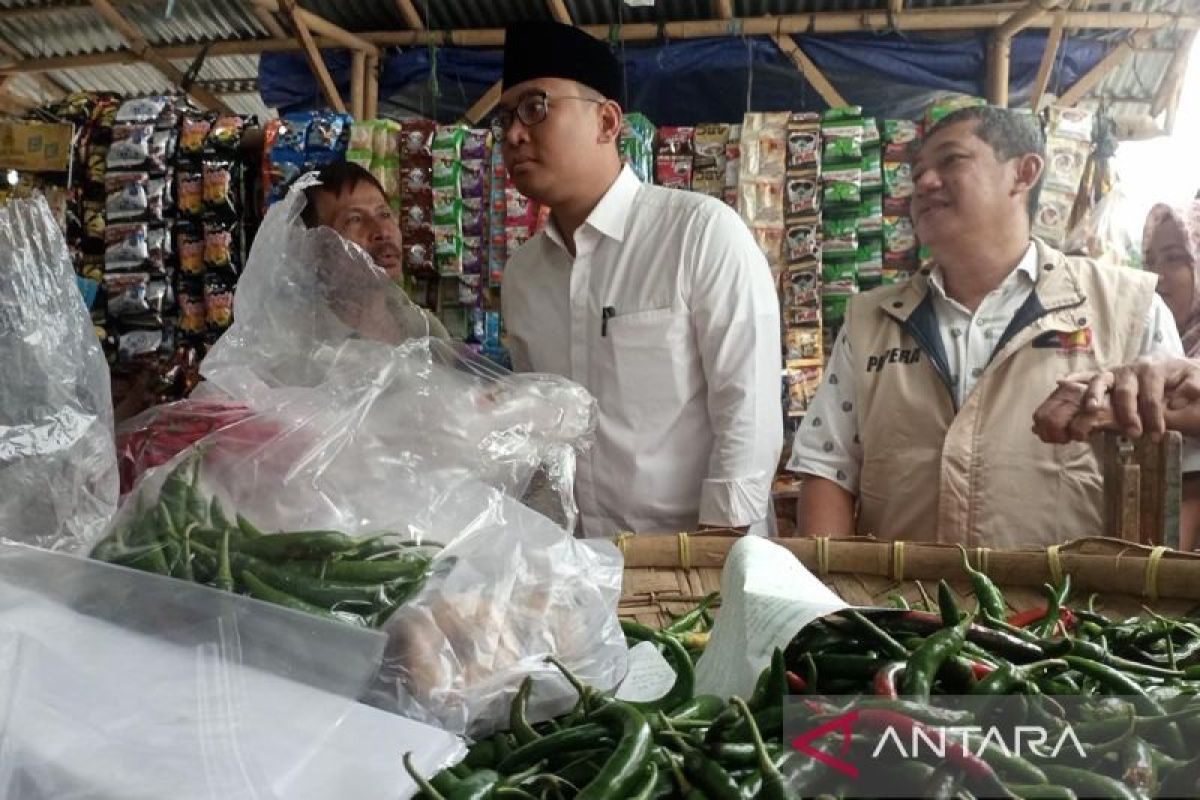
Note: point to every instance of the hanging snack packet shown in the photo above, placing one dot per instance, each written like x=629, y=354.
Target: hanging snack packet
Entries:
x=803, y=142
x=475, y=144
x=899, y=239
x=131, y=147
x=842, y=143
x=803, y=344
x=872, y=171
x=126, y=198
x=142, y=109
x=802, y=195
x=218, y=301
x=189, y=183
x=225, y=136
x=190, y=238
x=802, y=284
x=801, y=239
x=193, y=318
x=673, y=172
x=870, y=215
x=193, y=133
x=126, y=247
x=362, y=136
x=219, y=198
x=842, y=114
x=839, y=235
x=416, y=141
x=327, y=131
x=218, y=246
x=869, y=259
x=446, y=174
x=900, y=138
x=447, y=142
x=842, y=187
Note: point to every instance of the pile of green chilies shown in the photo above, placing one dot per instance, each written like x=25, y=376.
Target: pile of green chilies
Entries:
x=325, y=573
x=1132, y=683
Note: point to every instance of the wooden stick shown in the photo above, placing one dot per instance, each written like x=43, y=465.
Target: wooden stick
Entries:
x=372, y=108
x=895, y=7
x=315, y=62
x=723, y=9
x=1000, y=48
x=1048, y=56
x=558, y=10
x=1173, y=77
x=143, y=50
x=810, y=71
x=358, y=84
x=269, y=22
x=411, y=18
x=1098, y=73
x=485, y=104
x=317, y=24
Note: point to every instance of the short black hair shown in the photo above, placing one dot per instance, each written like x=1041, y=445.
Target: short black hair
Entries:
x=1010, y=133
x=336, y=178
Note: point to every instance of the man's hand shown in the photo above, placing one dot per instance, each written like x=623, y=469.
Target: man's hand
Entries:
x=1145, y=397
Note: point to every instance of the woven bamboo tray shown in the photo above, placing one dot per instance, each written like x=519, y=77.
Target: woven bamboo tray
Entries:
x=666, y=574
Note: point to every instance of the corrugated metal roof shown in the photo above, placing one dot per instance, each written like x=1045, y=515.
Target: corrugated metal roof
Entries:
x=73, y=27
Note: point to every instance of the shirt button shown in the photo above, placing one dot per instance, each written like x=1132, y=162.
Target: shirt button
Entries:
x=989, y=334
x=975, y=373
x=955, y=332
x=979, y=322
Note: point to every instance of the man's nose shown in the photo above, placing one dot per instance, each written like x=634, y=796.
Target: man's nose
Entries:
x=517, y=134
x=927, y=181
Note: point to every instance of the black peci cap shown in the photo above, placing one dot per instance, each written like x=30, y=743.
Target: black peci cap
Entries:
x=552, y=50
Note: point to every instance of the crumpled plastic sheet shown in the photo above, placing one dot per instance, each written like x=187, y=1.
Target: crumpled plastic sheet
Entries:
x=58, y=468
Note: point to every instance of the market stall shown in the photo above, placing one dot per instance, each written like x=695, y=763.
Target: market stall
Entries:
x=304, y=563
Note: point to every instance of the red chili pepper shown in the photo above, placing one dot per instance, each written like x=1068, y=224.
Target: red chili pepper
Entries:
x=884, y=684
x=981, y=670
x=1023, y=619
x=796, y=684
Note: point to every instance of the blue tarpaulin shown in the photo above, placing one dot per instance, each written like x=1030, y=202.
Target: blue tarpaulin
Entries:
x=708, y=80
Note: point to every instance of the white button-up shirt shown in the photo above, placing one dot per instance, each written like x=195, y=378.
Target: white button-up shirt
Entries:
x=668, y=315
x=827, y=443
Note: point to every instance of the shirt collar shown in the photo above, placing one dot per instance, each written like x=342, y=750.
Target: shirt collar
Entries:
x=1028, y=267
x=611, y=214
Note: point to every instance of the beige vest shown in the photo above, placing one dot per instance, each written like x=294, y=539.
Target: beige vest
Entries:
x=978, y=475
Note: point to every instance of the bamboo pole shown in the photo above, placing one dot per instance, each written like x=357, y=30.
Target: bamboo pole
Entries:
x=315, y=62
x=723, y=9
x=484, y=105
x=53, y=88
x=1048, y=56
x=269, y=22
x=977, y=17
x=372, y=107
x=358, y=84
x=142, y=49
x=1096, y=74
x=411, y=18
x=1000, y=48
x=1173, y=77
x=810, y=71
x=895, y=7
x=319, y=25
x=558, y=10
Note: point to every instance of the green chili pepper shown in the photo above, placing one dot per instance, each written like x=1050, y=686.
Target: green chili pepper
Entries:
x=410, y=566
x=1094, y=652
x=422, y=783
x=1007, y=678
x=263, y=591
x=688, y=622
x=1087, y=783
x=772, y=686
x=297, y=545
x=923, y=665
x=890, y=646
x=478, y=786
x=173, y=497
x=948, y=605
x=518, y=723
x=710, y=777
x=580, y=737
x=685, y=676
x=619, y=774
x=247, y=528
x=987, y=594
x=1041, y=791
x=773, y=785
x=702, y=706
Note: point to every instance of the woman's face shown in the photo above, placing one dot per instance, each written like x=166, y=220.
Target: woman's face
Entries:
x=1168, y=256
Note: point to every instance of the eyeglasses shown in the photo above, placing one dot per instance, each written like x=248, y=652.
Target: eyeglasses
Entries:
x=532, y=109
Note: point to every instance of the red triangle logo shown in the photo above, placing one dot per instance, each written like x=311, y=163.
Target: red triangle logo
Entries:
x=844, y=724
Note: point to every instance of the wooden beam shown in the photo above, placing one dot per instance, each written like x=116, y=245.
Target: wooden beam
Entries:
x=810, y=71
x=269, y=22
x=1173, y=110
x=411, y=18
x=313, y=55
x=53, y=88
x=319, y=25
x=895, y=7
x=484, y=105
x=1053, y=39
x=1173, y=77
x=358, y=83
x=1000, y=48
x=142, y=49
x=372, y=105
x=1110, y=62
x=723, y=9
x=558, y=10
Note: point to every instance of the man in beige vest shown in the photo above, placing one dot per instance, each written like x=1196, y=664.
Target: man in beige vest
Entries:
x=921, y=430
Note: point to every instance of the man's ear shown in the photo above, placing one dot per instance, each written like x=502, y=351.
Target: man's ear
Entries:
x=1029, y=171
x=611, y=118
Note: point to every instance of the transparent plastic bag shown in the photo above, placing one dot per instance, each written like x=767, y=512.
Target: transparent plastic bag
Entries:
x=58, y=476
x=314, y=312
x=1103, y=233
x=117, y=684
x=517, y=591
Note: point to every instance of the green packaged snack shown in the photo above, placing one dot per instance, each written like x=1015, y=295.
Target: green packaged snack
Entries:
x=898, y=236
x=839, y=270
x=842, y=187
x=941, y=109
x=870, y=136
x=839, y=235
x=872, y=170
x=843, y=143
x=833, y=307
x=446, y=174
x=842, y=113
x=870, y=214
x=869, y=259
x=897, y=179
x=447, y=212
x=448, y=141
x=900, y=131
